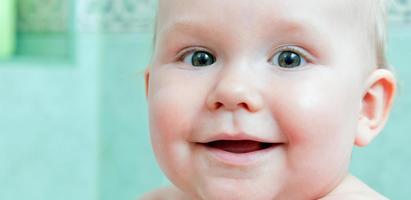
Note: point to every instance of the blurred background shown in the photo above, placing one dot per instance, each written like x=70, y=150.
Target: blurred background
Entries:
x=73, y=117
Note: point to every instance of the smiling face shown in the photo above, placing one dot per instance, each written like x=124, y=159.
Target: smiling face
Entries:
x=257, y=101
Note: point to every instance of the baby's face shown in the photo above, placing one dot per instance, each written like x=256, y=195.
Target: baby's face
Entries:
x=255, y=100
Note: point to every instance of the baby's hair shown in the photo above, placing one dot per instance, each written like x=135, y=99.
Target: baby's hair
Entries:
x=380, y=32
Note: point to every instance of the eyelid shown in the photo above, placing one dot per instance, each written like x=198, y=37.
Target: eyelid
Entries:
x=180, y=56
x=301, y=51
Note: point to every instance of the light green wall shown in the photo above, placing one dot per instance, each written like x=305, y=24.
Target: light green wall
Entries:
x=127, y=166
x=48, y=126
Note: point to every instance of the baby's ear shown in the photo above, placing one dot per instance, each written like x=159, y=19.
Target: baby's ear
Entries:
x=376, y=105
x=147, y=79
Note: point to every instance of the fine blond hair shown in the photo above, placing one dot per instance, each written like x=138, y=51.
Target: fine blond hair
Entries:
x=380, y=32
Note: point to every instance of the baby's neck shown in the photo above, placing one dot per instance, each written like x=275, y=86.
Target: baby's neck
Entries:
x=166, y=193
x=353, y=188
x=350, y=188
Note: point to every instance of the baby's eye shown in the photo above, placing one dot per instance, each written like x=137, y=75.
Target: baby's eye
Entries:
x=199, y=58
x=288, y=59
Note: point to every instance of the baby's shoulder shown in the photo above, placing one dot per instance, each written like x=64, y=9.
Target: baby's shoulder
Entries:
x=157, y=194
x=152, y=195
x=164, y=193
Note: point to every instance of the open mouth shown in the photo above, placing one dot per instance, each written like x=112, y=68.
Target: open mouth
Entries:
x=238, y=146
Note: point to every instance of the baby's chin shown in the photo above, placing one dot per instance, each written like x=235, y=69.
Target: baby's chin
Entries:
x=239, y=189
x=235, y=189
x=254, y=193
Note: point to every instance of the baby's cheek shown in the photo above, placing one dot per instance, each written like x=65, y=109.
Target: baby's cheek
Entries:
x=305, y=111
x=172, y=111
x=315, y=113
x=168, y=116
x=316, y=123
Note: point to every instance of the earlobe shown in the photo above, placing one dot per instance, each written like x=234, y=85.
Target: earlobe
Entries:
x=147, y=80
x=376, y=105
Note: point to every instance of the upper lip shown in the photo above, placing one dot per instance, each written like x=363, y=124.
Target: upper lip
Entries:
x=238, y=136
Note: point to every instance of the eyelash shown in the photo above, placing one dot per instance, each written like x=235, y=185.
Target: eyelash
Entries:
x=294, y=49
x=180, y=56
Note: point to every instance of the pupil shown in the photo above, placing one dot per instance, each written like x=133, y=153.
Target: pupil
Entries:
x=201, y=58
x=289, y=59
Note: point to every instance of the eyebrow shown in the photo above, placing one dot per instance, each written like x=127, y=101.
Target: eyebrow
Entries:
x=280, y=29
x=187, y=26
x=302, y=32
x=306, y=34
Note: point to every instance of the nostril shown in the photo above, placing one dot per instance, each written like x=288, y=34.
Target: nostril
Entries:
x=243, y=105
x=218, y=105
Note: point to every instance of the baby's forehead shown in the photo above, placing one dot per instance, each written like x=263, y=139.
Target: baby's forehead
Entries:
x=319, y=24
x=246, y=14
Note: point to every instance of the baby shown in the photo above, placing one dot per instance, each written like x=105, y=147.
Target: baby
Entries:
x=262, y=100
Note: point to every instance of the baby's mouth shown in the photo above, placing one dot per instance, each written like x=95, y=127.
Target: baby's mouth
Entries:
x=238, y=146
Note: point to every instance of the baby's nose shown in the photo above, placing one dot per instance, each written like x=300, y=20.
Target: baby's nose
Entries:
x=235, y=92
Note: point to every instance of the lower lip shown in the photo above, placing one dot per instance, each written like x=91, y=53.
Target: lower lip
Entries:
x=240, y=158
